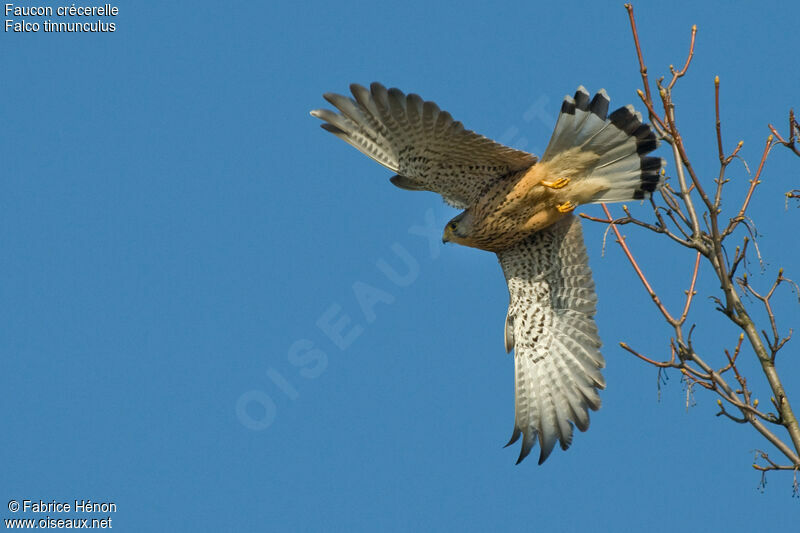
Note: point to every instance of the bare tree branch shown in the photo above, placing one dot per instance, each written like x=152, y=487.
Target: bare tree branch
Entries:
x=679, y=218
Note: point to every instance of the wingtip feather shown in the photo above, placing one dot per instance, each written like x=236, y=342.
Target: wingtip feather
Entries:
x=333, y=129
x=514, y=437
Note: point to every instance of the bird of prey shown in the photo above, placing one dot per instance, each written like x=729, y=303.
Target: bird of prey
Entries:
x=520, y=208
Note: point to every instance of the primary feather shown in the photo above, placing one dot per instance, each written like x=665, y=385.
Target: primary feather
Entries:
x=422, y=144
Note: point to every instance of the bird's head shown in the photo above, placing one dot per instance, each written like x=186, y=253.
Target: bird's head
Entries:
x=458, y=229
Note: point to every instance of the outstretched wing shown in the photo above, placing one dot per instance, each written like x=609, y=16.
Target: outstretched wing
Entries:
x=557, y=359
x=424, y=145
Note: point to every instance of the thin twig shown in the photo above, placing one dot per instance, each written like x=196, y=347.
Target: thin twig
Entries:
x=690, y=293
x=682, y=72
x=629, y=255
x=719, y=124
x=664, y=364
x=642, y=67
x=753, y=183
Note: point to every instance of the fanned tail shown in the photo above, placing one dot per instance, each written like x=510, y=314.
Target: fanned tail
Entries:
x=623, y=171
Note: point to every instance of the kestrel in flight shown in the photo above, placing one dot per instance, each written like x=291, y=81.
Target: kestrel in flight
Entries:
x=521, y=209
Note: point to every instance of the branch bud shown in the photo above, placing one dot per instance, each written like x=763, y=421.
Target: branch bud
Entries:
x=719, y=402
x=755, y=402
x=716, y=81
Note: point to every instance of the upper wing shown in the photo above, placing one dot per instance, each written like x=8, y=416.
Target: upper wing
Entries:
x=425, y=146
x=557, y=359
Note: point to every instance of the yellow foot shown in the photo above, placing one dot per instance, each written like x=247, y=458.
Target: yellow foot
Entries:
x=566, y=207
x=558, y=184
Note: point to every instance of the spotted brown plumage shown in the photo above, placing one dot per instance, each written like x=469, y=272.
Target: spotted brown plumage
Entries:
x=520, y=208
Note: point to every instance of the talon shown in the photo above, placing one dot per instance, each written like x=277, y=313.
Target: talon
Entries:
x=558, y=184
x=566, y=207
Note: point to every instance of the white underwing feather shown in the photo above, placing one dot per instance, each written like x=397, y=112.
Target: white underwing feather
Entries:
x=556, y=346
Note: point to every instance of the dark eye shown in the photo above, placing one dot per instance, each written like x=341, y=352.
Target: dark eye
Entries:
x=452, y=225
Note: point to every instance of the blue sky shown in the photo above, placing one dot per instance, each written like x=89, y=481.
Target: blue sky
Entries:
x=175, y=226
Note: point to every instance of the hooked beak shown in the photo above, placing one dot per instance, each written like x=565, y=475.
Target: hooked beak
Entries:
x=447, y=235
